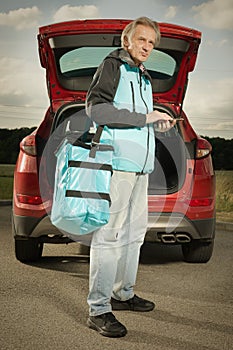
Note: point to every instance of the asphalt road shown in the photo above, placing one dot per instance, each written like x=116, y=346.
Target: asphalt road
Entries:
x=43, y=306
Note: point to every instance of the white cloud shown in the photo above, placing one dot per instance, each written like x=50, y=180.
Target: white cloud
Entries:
x=223, y=42
x=221, y=126
x=216, y=14
x=218, y=43
x=68, y=12
x=23, y=97
x=208, y=104
x=21, y=18
x=171, y=12
x=23, y=83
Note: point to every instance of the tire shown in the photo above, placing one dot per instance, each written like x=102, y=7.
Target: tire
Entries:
x=28, y=250
x=197, y=252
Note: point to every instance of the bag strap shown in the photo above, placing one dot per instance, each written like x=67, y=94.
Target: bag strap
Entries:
x=95, y=141
x=96, y=137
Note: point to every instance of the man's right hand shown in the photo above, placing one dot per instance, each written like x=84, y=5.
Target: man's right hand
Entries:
x=162, y=121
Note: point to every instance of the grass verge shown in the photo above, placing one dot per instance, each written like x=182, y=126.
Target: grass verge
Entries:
x=224, y=195
x=6, y=180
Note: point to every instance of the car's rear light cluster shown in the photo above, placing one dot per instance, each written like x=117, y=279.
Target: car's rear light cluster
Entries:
x=202, y=202
x=203, y=148
x=29, y=199
x=28, y=145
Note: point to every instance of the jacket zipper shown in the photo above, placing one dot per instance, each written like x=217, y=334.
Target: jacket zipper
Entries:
x=133, y=95
x=148, y=130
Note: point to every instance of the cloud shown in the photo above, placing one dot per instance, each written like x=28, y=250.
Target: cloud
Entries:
x=218, y=43
x=223, y=126
x=23, y=97
x=19, y=88
x=68, y=12
x=171, y=12
x=21, y=18
x=215, y=14
x=208, y=104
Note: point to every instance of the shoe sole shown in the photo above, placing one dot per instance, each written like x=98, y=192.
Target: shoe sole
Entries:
x=126, y=308
x=93, y=326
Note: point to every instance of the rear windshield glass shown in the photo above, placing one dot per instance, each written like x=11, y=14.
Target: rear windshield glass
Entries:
x=74, y=63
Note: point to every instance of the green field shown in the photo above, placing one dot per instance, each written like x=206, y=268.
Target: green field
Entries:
x=6, y=180
x=224, y=195
x=224, y=190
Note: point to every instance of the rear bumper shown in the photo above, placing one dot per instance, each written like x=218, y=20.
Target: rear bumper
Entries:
x=28, y=226
x=174, y=223
x=158, y=224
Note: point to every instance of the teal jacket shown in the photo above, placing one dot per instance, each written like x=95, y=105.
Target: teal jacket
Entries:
x=119, y=97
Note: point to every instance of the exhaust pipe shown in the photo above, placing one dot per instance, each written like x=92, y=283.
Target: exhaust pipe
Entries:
x=168, y=238
x=182, y=238
x=175, y=238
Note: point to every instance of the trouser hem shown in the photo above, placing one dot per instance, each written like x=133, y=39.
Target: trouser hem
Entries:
x=101, y=312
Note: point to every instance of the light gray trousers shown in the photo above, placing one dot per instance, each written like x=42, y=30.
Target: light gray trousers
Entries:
x=115, y=248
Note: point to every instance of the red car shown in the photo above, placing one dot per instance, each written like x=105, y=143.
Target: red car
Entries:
x=181, y=193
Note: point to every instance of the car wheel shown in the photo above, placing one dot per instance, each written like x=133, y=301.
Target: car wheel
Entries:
x=197, y=252
x=27, y=250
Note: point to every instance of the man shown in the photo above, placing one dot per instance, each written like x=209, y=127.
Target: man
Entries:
x=120, y=97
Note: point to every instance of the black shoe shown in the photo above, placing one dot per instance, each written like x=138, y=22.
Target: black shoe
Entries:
x=107, y=325
x=133, y=304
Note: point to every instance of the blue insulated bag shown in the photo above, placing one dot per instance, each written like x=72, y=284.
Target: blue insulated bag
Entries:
x=81, y=198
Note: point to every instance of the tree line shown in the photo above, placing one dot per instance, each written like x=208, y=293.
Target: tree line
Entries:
x=10, y=140
x=9, y=143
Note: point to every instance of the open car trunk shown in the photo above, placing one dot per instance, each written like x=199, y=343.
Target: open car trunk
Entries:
x=71, y=52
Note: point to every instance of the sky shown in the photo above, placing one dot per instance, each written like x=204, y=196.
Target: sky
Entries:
x=209, y=98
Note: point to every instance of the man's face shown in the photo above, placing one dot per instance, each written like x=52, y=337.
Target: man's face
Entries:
x=141, y=43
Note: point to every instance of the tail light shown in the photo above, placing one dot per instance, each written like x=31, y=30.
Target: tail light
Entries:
x=29, y=199
x=203, y=148
x=200, y=202
x=28, y=145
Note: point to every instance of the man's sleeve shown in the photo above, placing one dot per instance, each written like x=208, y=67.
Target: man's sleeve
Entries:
x=100, y=96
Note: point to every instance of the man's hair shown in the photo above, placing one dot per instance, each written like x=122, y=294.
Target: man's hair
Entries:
x=145, y=21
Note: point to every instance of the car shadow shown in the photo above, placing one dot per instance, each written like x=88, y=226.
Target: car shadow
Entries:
x=160, y=254
x=78, y=265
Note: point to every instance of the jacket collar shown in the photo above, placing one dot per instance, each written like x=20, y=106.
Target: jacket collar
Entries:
x=125, y=57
